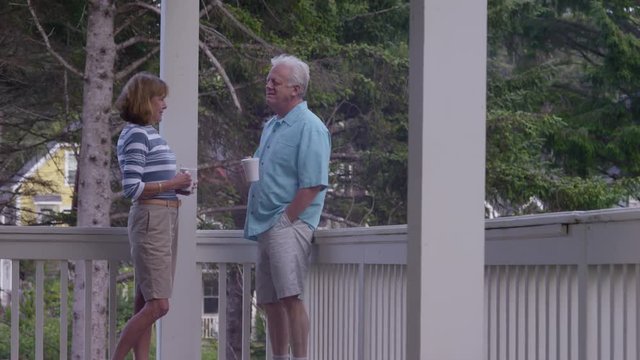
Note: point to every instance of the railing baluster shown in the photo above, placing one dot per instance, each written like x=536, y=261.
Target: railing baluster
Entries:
x=547, y=310
x=526, y=312
x=404, y=312
x=517, y=314
x=558, y=310
x=326, y=298
x=599, y=312
x=222, y=311
x=625, y=312
x=637, y=273
x=342, y=313
x=246, y=311
x=612, y=322
x=321, y=299
x=507, y=304
x=64, y=310
x=569, y=312
x=39, y=305
x=537, y=311
x=113, y=304
x=489, y=304
x=583, y=272
x=312, y=300
x=352, y=314
x=393, y=308
x=498, y=310
x=204, y=325
x=88, y=300
x=376, y=318
x=386, y=310
x=15, y=309
x=339, y=312
x=360, y=312
x=331, y=315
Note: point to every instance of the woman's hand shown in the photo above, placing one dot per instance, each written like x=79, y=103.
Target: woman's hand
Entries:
x=181, y=182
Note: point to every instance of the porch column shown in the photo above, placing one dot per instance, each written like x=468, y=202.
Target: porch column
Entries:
x=178, y=335
x=446, y=179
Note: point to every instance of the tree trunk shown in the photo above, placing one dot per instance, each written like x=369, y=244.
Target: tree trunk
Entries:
x=234, y=313
x=94, y=190
x=234, y=288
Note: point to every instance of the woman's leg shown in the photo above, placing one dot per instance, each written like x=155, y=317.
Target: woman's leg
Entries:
x=138, y=326
x=141, y=347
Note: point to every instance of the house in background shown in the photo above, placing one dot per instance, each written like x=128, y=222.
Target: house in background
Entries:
x=43, y=187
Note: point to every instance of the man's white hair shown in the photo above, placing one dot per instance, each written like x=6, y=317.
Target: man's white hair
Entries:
x=299, y=71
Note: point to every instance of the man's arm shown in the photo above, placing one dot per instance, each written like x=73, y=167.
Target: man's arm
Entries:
x=303, y=198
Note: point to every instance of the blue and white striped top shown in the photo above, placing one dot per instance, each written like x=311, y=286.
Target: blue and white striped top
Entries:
x=144, y=157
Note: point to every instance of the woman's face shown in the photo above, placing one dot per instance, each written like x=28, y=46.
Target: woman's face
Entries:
x=157, y=107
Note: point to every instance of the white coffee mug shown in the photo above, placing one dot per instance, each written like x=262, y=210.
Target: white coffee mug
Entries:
x=194, y=178
x=251, y=168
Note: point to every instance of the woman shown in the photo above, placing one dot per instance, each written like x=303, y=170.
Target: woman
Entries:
x=149, y=178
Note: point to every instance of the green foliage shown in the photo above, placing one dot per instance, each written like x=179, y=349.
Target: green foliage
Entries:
x=359, y=70
x=562, y=105
x=562, y=102
x=209, y=350
x=52, y=312
x=27, y=316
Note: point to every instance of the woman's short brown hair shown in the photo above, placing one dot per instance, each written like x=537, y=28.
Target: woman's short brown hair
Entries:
x=134, y=102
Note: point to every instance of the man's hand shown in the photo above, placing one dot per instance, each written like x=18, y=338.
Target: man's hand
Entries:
x=301, y=201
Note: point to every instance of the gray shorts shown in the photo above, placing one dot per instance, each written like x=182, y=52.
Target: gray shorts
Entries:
x=284, y=252
x=153, y=236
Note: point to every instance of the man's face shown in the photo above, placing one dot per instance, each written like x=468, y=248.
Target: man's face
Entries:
x=280, y=95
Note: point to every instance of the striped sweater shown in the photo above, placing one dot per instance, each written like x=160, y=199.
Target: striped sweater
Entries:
x=144, y=157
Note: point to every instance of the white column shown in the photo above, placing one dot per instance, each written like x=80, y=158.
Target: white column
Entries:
x=446, y=179
x=179, y=332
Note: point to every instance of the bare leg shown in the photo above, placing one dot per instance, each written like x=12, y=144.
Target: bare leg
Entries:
x=141, y=347
x=140, y=325
x=278, y=328
x=298, y=325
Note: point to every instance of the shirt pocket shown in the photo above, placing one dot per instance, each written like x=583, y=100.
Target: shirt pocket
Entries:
x=284, y=153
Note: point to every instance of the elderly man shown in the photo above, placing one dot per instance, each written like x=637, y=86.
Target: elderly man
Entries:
x=286, y=202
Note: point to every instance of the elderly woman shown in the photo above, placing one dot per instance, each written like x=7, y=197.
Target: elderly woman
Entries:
x=150, y=180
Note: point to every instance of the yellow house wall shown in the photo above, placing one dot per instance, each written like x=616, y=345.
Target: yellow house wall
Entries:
x=52, y=173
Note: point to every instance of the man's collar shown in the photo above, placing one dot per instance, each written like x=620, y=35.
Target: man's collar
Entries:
x=292, y=114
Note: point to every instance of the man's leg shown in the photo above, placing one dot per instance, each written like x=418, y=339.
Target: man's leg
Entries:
x=298, y=325
x=278, y=328
x=282, y=268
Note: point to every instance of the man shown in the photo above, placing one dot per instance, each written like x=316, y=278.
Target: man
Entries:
x=286, y=202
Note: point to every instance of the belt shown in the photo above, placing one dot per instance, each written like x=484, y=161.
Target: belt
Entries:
x=167, y=203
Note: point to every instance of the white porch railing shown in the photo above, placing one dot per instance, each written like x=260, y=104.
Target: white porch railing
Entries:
x=209, y=326
x=557, y=286
x=563, y=286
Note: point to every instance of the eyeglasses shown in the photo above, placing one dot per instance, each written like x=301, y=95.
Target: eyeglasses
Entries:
x=276, y=84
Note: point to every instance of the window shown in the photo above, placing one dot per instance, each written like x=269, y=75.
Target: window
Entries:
x=8, y=215
x=46, y=207
x=45, y=213
x=70, y=169
x=210, y=291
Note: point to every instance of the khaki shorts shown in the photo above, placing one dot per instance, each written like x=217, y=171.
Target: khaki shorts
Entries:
x=284, y=253
x=153, y=236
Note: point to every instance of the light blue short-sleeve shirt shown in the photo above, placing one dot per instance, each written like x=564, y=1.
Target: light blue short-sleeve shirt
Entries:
x=294, y=153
